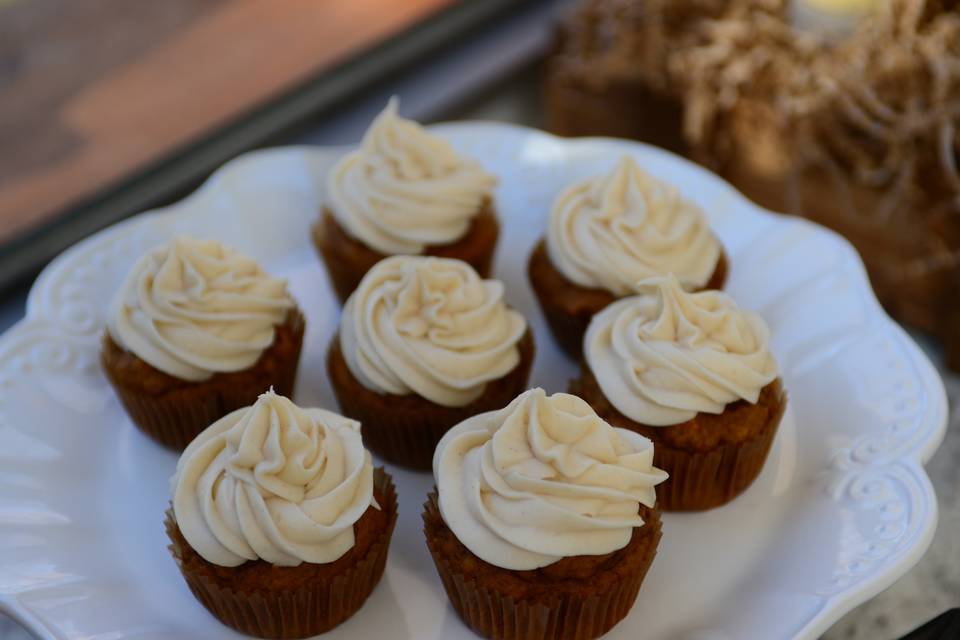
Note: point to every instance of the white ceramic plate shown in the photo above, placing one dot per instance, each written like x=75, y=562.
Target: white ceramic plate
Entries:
x=842, y=508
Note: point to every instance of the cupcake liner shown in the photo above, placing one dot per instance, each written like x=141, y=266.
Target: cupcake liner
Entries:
x=348, y=260
x=567, y=330
x=560, y=614
x=405, y=430
x=175, y=416
x=568, y=307
x=698, y=480
x=402, y=438
x=704, y=480
x=296, y=613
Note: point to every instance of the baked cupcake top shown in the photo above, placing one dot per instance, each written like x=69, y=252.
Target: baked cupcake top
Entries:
x=192, y=308
x=612, y=231
x=664, y=355
x=275, y=482
x=543, y=479
x=405, y=189
x=429, y=326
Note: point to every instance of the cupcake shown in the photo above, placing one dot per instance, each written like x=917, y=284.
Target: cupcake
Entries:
x=425, y=343
x=692, y=372
x=196, y=331
x=279, y=523
x=608, y=233
x=404, y=192
x=543, y=523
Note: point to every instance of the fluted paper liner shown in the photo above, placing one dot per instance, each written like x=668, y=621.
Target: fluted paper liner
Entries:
x=405, y=430
x=589, y=612
x=704, y=480
x=568, y=307
x=175, y=417
x=698, y=480
x=296, y=613
x=348, y=260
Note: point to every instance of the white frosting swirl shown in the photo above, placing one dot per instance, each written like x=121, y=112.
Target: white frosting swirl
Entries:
x=543, y=479
x=273, y=481
x=429, y=326
x=193, y=308
x=405, y=189
x=611, y=231
x=665, y=355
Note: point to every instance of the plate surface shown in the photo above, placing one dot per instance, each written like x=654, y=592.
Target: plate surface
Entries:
x=842, y=508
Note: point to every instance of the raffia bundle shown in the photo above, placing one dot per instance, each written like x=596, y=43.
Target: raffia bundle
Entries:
x=877, y=103
x=859, y=133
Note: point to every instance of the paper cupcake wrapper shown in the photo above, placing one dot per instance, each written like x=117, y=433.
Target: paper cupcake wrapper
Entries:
x=404, y=439
x=566, y=616
x=176, y=417
x=406, y=435
x=698, y=480
x=310, y=610
x=567, y=330
x=348, y=260
x=555, y=294
x=704, y=480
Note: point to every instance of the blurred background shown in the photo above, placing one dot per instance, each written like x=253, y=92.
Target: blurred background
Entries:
x=112, y=107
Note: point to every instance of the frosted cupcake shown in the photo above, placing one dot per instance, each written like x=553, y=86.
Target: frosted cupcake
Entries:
x=406, y=192
x=279, y=523
x=423, y=344
x=692, y=372
x=195, y=331
x=608, y=233
x=544, y=522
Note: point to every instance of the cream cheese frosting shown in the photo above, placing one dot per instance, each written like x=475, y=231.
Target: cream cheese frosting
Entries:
x=664, y=355
x=543, y=479
x=612, y=231
x=405, y=189
x=194, y=307
x=275, y=482
x=429, y=326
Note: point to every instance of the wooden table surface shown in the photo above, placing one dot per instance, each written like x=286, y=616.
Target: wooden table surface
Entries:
x=92, y=91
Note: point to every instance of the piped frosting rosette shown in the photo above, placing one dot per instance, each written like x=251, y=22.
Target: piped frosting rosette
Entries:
x=405, y=189
x=194, y=307
x=614, y=230
x=273, y=482
x=664, y=355
x=429, y=326
x=543, y=479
